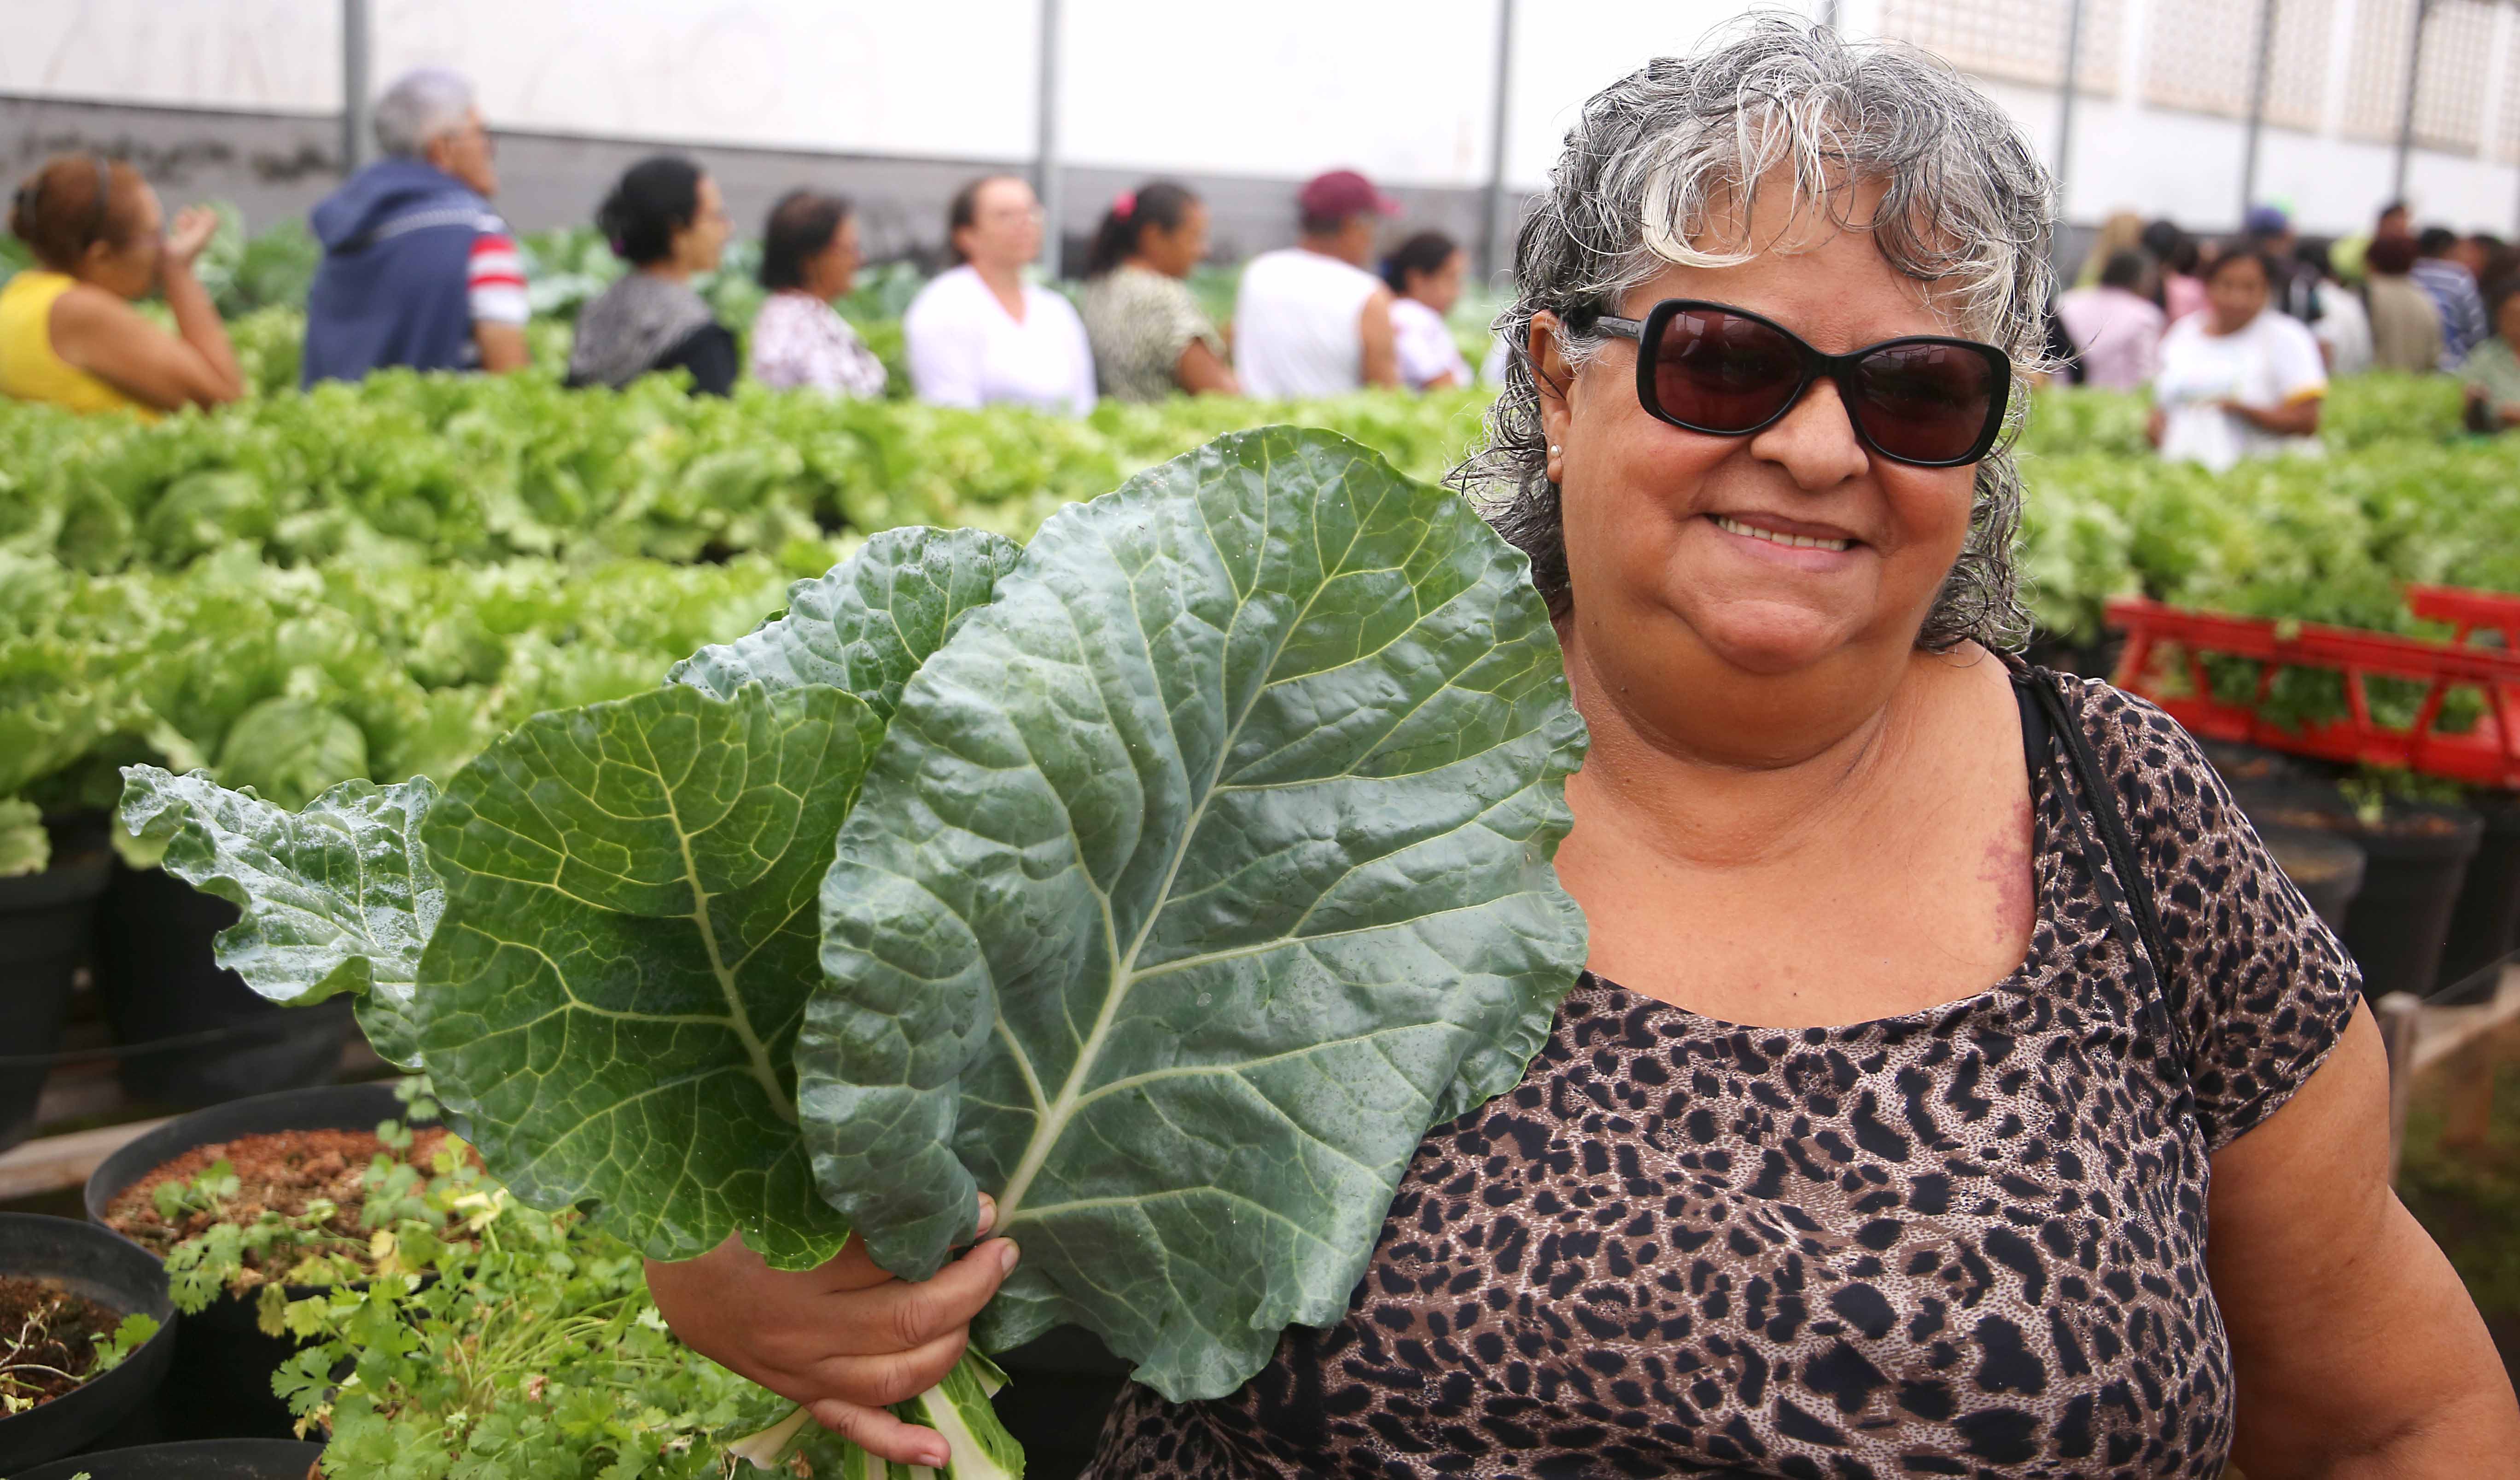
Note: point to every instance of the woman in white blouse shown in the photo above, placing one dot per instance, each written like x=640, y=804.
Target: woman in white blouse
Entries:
x=1426, y=279
x=980, y=334
x=809, y=257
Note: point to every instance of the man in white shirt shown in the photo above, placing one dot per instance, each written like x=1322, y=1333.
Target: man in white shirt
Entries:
x=980, y=334
x=1310, y=320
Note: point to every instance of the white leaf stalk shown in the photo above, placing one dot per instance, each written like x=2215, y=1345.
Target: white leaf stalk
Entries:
x=957, y=1407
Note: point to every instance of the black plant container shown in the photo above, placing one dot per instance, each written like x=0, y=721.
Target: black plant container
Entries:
x=45, y=920
x=201, y=1459
x=92, y=1263
x=157, y=976
x=221, y=1384
x=2326, y=869
x=2486, y=924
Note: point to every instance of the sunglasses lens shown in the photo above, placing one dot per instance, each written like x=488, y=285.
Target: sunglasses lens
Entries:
x=1926, y=403
x=1722, y=373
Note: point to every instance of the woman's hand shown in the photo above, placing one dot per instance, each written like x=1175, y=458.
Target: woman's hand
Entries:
x=844, y=1339
x=2154, y=424
x=194, y=226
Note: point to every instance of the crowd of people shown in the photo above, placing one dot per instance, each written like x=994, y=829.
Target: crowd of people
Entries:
x=2236, y=340
x=420, y=271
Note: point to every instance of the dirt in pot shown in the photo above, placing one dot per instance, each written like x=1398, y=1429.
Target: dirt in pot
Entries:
x=285, y=1174
x=51, y=1341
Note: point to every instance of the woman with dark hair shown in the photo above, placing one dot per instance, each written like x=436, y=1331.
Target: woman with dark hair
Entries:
x=809, y=257
x=980, y=334
x=2240, y=380
x=1149, y=336
x=666, y=219
x=68, y=333
x=1424, y=275
x=2179, y=293
x=2405, y=323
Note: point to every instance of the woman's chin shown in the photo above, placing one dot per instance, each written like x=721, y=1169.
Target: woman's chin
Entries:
x=1772, y=639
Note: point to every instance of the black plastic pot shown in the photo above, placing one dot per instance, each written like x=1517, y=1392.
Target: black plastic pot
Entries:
x=92, y=1263
x=45, y=920
x=2326, y=868
x=2486, y=924
x=221, y=1383
x=1060, y=1387
x=2415, y=860
x=202, y=1459
x=158, y=980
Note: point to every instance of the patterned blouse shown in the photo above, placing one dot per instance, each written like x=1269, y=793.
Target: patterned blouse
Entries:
x=1139, y=322
x=802, y=343
x=1968, y=1241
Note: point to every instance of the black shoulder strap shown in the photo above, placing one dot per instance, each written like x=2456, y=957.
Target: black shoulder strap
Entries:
x=2044, y=714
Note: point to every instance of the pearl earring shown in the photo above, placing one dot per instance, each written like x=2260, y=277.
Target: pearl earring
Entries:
x=1555, y=449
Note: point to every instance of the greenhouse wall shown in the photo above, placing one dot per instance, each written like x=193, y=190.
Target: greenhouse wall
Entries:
x=898, y=104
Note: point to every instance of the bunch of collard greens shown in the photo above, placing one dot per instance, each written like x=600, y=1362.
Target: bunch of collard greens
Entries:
x=1166, y=878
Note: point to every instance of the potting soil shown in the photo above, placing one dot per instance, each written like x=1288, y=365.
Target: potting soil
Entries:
x=281, y=1172
x=47, y=1340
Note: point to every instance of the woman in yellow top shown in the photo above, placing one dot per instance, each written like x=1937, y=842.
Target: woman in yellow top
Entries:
x=68, y=333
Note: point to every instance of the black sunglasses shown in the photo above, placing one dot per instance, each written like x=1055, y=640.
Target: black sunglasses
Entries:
x=1924, y=401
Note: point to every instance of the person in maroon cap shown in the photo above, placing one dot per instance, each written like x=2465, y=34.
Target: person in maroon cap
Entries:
x=1310, y=320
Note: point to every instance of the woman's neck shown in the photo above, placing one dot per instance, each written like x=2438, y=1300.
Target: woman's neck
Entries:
x=1683, y=787
x=1006, y=283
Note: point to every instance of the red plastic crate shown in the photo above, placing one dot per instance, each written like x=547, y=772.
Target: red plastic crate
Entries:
x=2488, y=755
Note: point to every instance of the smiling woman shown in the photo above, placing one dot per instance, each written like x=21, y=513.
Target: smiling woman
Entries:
x=1957, y=1087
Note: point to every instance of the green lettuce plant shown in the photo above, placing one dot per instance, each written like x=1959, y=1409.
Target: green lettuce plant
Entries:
x=1166, y=878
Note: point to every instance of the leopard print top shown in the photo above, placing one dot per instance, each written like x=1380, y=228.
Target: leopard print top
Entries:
x=1966, y=1241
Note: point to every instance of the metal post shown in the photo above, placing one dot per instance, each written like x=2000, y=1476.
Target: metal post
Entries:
x=356, y=98
x=2406, y=114
x=1046, y=171
x=2065, y=108
x=1491, y=242
x=2257, y=106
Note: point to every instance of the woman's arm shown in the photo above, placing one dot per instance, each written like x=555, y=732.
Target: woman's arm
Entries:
x=2358, y=1354
x=104, y=336
x=1202, y=373
x=2296, y=418
x=1380, y=347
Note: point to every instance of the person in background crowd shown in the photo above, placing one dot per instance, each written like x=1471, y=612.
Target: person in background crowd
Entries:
x=810, y=257
x=417, y=270
x=2344, y=327
x=1150, y=336
x=1425, y=277
x=2115, y=329
x=979, y=335
x=2452, y=288
x=2394, y=220
x=2492, y=374
x=2405, y=323
x=2237, y=381
x=68, y=335
x=2123, y=231
x=2268, y=231
x=1309, y=320
x=2496, y=262
x=666, y=219
x=2180, y=291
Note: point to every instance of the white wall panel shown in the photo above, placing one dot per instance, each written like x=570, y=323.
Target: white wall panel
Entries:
x=259, y=56
x=938, y=78
x=1288, y=88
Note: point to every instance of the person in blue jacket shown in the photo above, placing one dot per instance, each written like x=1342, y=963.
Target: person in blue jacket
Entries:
x=417, y=270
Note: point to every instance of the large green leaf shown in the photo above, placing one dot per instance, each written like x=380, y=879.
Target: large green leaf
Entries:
x=629, y=939
x=867, y=624
x=338, y=897
x=1196, y=876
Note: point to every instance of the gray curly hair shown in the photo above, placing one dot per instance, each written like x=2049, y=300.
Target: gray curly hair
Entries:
x=1967, y=210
